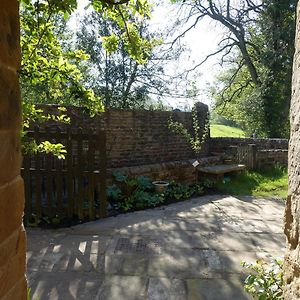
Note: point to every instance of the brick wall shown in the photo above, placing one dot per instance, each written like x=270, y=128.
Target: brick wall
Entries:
x=139, y=137
x=12, y=235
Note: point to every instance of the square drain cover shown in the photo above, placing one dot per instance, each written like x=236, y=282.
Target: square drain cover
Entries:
x=138, y=246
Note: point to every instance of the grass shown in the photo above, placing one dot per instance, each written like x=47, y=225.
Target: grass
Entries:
x=272, y=183
x=217, y=130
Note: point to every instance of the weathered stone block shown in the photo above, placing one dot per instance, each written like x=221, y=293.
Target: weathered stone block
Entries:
x=13, y=271
x=11, y=207
x=10, y=104
x=12, y=245
x=10, y=156
x=10, y=34
x=19, y=290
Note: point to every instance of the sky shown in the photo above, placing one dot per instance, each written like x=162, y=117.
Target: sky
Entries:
x=201, y=40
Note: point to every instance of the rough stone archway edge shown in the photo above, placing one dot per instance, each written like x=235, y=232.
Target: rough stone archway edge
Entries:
x=12, y=234
x=292, y=212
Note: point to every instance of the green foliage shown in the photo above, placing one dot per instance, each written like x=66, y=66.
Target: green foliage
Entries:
x=143, y=199
x=28, y=294
x=31, y=146
x=119, y=176
x=198, y=138
x=112, y=72
x=32, y=115
x=271, y=183
x=113, y=192
x=262, y=106
x=266, y=280
x=49, y=72
x=138, y=192
x=179, y=191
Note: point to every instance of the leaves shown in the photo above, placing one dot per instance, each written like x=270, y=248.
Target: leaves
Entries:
x=197, y=140
x=266, y=280
x=49, y=72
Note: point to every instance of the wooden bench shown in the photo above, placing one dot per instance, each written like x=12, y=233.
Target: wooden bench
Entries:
x=222, y=169
x=218, y=171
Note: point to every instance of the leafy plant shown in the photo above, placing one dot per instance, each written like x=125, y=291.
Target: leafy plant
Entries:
x=266, y=280
x=195, y=140
x=179, y=191
x=139, y=193
x=114, y=193
x=119, y=176
x=144, y=199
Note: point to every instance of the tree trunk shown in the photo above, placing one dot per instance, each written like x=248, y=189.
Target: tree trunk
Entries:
x=292, y=211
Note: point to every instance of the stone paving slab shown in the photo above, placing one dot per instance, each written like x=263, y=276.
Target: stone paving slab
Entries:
x=185, y=251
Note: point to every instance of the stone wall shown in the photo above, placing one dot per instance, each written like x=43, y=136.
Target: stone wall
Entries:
x=12, y=235
x=266, y=152
x=292, y=211
x=220, y=143
x=137, y=138
x=270, y=157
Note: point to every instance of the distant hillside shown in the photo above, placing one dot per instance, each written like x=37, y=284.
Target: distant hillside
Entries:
x=217, y=130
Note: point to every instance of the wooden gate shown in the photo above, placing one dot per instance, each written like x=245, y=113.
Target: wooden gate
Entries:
x=70, y=187
x=246, y=154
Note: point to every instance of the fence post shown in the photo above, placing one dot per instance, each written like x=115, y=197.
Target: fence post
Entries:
x=252, y=156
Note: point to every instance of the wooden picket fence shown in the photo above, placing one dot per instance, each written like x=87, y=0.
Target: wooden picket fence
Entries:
x=70, y=187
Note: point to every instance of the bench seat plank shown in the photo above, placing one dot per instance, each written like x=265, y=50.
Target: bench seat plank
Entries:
x=221, y=169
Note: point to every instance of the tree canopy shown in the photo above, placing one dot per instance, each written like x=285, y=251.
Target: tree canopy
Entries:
x=256, y=54
x=50, y=73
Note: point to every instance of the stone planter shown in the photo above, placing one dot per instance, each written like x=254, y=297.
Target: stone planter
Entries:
x=160, y=185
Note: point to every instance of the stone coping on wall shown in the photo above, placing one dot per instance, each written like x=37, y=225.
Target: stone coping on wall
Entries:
x=262, y=143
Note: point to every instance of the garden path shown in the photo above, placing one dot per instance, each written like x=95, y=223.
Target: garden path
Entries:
x=184, y=251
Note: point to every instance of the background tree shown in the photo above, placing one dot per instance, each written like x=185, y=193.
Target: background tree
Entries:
x=123, y=82
x=257, y=49
x=48, y=73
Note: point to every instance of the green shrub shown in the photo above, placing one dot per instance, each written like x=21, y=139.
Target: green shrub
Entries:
x=266, y=280
x=139, y=193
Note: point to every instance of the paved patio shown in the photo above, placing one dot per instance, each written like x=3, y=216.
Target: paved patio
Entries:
x=189, y=250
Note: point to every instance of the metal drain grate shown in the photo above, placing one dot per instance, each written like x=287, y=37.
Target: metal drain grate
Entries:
x=138, y=246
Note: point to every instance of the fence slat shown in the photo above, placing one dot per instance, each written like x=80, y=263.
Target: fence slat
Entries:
x=58, y=176
x=27, y=183
x=38, y=177
x=91, y=181
x=80, y=178
x=48, y=175
x=70, y=182
x=102, y=174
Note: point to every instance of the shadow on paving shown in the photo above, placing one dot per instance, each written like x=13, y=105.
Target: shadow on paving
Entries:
x=188, y=250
